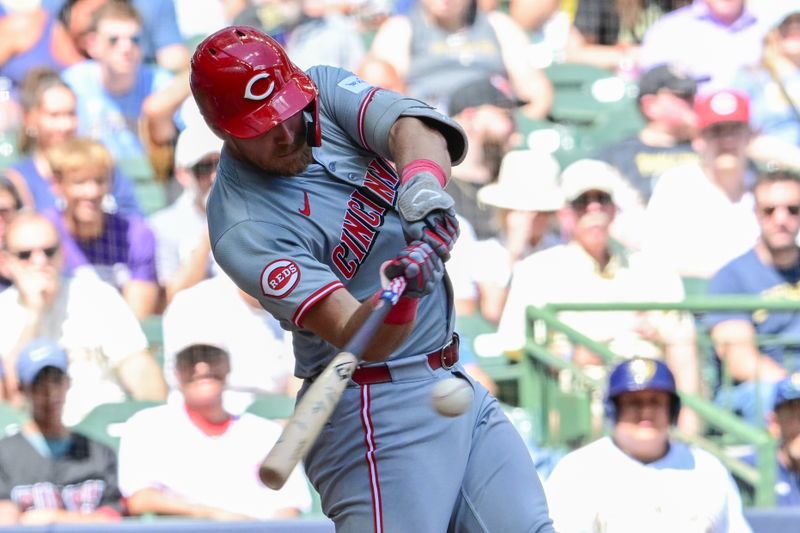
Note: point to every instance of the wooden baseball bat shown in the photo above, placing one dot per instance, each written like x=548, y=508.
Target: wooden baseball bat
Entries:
x=321, y=398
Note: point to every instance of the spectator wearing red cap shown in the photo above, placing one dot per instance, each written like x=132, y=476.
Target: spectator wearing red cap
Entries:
x=700, y=215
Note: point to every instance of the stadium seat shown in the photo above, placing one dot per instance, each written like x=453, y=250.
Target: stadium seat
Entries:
x=151, y=196
x=11, y=419
x=137, y=169
x=272, y=406
x=105, y=422
x=694, y=286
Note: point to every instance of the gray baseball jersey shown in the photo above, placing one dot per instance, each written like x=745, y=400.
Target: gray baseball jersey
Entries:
x=290, y=242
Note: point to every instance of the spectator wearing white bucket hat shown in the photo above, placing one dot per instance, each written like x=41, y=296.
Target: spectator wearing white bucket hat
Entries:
x=591, y=267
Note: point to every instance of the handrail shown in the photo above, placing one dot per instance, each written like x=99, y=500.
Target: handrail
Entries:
x=763, y=476
x=549, y=318
x=691, y=303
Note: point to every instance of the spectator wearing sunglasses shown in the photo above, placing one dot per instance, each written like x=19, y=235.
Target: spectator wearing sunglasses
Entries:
x=107, y=349
x=162, y=42
x=119, y=249
x=183, y=249
x=122, y=101
x=591, y=267
x=770, y=269
x=700, y=215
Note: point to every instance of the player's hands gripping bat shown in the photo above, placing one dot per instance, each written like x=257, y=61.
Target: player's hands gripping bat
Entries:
x=323, y=395
x=427, y=213
x=421, y=267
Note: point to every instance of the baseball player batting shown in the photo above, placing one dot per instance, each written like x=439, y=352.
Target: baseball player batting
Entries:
x=307, y=215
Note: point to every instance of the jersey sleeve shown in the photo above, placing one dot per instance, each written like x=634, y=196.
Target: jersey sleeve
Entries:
x=367, y=113
x=278, y=267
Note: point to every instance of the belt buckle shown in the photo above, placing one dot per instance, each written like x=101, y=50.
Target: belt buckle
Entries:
x=443, y=358
x=443, y=352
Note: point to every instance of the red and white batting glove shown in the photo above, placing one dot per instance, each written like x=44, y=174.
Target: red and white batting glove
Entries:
x=420, y=265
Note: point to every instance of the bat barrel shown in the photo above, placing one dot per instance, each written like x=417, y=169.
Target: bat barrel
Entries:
x=321, y=398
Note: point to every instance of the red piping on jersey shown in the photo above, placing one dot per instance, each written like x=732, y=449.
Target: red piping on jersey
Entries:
x=315, y=297
x=362, y=112
x=372, y=462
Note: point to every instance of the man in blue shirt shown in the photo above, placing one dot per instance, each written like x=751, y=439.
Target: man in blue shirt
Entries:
x=770, y=269
x=119, y=97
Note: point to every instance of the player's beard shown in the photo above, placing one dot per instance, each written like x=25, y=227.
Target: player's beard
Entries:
x=291, y=166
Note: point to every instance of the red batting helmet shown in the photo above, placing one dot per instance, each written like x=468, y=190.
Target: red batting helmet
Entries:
x=245, y=84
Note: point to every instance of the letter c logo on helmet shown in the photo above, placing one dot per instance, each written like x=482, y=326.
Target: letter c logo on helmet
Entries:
x=245, y=85
x=248, y=91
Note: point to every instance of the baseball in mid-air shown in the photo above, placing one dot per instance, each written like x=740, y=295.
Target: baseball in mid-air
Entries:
x=451, y=396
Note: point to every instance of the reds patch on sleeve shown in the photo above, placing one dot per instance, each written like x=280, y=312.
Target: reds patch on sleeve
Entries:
x=354, y=84
x=279, y=278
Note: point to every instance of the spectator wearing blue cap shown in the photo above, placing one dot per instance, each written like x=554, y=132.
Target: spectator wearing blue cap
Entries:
x=785, y=424
x=49, y=474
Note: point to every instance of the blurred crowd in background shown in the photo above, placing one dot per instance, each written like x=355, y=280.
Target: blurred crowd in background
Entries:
x=693, y=187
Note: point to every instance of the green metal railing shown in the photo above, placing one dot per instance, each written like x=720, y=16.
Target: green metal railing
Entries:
x=560, y=392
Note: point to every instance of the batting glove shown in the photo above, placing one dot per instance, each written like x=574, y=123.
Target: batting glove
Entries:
x=420, y=265
x=427, y=213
